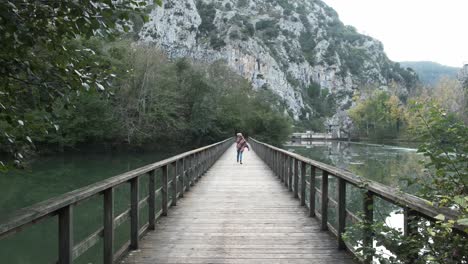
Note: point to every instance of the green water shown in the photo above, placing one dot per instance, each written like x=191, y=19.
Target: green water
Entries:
x=55, y=175
x=52, y=176
x=391, y=165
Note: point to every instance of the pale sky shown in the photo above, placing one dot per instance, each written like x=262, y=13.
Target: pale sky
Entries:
x=412, y=30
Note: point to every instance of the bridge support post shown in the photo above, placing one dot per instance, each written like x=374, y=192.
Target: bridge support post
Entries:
x=368, y=209
x=134, y=212
x=182, y=176
x=312, y=184
x=341, y=212
x=290, y=173
x=174, y=184
x=66, y=235
x=303, y=182
x=296, y=178
x=324, y=202
x=164, y=192
x=286, y=170
x=109, y=226
x=189, y=172
x=151, y=200
x=277, y=164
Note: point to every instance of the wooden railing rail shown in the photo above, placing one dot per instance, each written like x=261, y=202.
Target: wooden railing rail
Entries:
x=187, y=168
x=291, y=169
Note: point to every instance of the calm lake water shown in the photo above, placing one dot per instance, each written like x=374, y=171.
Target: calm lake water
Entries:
x=391, y=165
x=51, y=176
x=396, y=166
x=55, y=175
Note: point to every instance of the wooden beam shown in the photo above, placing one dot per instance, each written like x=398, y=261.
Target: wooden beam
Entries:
x=164, y=193
x=151, y=200
x=134, y=212
x=324, y=202
x=303, y=182
x=313, y=171
x=65, y=232
x=296, y=178
x=341, y=212
x=368, y=209
x=108, y=226
x=174, y=184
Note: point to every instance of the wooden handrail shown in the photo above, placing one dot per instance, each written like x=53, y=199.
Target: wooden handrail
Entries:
x=388, y=193
x=199, y=161
x=286, y=165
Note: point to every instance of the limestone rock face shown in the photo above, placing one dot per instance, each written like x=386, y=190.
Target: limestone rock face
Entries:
x=285, y=46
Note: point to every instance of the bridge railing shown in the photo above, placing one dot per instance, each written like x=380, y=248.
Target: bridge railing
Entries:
x=177, y=175
x=292, y=169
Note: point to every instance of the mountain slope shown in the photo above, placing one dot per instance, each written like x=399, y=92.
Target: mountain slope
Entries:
x=293, y=48
x=431, y=72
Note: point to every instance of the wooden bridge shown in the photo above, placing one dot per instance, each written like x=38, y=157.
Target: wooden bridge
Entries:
x=258, y=212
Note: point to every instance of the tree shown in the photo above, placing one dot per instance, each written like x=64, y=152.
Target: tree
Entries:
x=40, y=61
x=445, y=185
x=379, y=116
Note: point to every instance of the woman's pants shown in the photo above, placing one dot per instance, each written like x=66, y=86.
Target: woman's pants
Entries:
x=239, y=155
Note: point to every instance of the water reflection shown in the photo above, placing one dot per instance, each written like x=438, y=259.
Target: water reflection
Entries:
x=390, y=165
x=55, y=175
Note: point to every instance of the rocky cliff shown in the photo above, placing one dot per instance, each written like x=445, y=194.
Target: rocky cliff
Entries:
x=293, y=48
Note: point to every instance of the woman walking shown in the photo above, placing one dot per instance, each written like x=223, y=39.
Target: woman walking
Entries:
x=241, y=146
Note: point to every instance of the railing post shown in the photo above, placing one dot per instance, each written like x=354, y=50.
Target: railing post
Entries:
x=296, y=178
x=368, y=208
x=290, y=173
x=134, y=212
x=286, y=169
x=182, y=176
x=341, y=212
x=282, y=166
x=151, y=201
x=189, y=172
x=409, y=229
x=408, y=216
x=65, y=235
x=324, y=203
x=197, y=166
x=277, y=164
x=303, y=182
x=164, y=192
x=174, y=184
x=109, y=226
x=312, y=182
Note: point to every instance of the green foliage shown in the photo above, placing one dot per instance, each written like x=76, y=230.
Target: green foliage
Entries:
x=293, y=81
x=250, y=29
x=207, y=14
x=155, y=103
x=265, y=24
x=314, y=90
x=322, y=105
x=242, y=3
x=445, y=145
x=45, y=56
x=216, y=42
x=307, y=41
x=234, y=35
x=379, y=116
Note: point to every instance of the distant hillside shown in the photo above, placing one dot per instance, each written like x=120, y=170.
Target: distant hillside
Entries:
x=430, y=72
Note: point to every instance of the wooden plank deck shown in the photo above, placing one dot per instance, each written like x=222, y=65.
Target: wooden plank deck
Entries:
x=238, y=214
